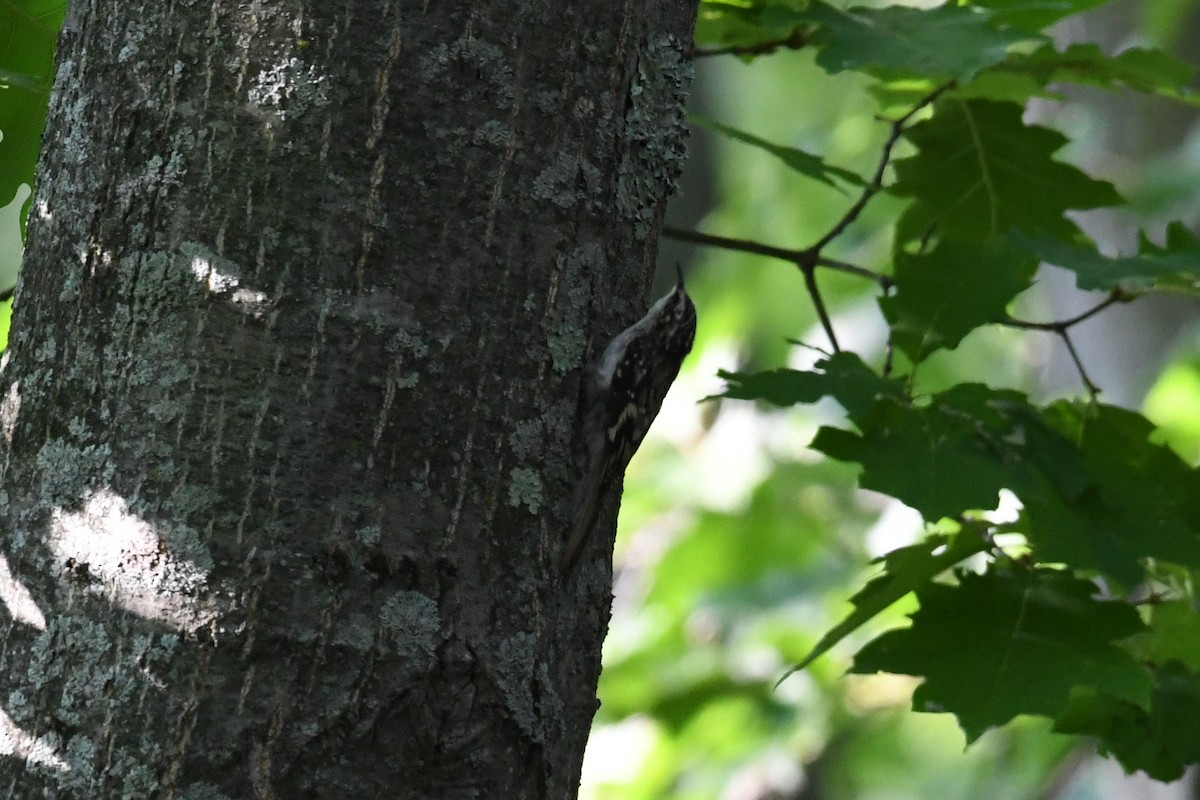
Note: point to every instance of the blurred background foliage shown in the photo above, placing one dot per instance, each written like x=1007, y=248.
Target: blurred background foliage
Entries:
x=739, y=547
x=28, y=35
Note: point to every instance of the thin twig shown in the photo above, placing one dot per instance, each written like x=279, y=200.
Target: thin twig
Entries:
x=890, y=349
x=806, y=261
x=810, y=282
x=885, y=281
x=729, y=243
x=1062, y=327
x=1115, y=296
x=1092, y=388
x=876, y=185
x=797, y=257
x=796, y=40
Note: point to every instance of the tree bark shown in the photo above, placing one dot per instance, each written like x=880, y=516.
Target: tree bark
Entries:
x=291, y=389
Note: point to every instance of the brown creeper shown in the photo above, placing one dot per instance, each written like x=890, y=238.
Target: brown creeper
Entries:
x=623, y=390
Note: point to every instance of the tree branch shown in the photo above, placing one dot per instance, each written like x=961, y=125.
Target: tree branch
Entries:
x=797, y=257
x=808, y=259
x=810, y=282
x=1092, y=388
x=1060, y=326
x=876, y=185
x=729, y=243
x=796, y=40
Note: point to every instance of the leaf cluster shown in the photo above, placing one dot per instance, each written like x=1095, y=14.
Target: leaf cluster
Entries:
x=1081, y=609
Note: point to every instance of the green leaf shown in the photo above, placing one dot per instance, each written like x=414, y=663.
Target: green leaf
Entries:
x=1142, y=69
x=747, y=25
x=1139, y=501
x=1173, y=266
x=946, y=42
x=931, y=458
x=980, y=170
x=1002, y=85
x=943, y=295
x=805, y=163
x=1098, y=492
x=29, y=31
x=1174, y=635
x=842, y=376
x=904, y=570
x=1161, y=741
x=1020, y=643
x=1026, y=75
x=1034, y=15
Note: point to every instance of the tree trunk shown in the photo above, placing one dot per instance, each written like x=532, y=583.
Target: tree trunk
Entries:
x=291, y=390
